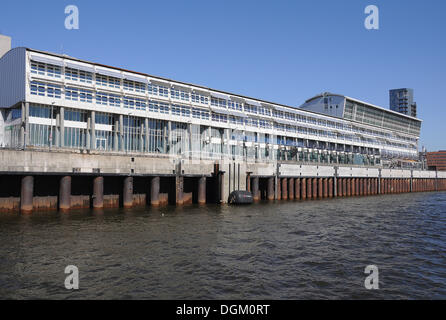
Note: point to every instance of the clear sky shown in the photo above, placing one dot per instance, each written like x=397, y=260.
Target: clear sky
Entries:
x=282, y=51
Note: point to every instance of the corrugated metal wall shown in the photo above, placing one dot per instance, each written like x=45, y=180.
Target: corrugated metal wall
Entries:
x=12, y=77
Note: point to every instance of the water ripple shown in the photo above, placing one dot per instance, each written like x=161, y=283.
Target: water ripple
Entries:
x=289, y=250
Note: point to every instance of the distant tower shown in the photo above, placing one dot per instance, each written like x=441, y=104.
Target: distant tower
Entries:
x=401, y=100
x=5, y=44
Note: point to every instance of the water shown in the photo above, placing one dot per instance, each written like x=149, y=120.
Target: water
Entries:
x=289, y=250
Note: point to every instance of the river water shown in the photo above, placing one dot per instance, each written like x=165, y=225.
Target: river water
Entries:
x=288, y=250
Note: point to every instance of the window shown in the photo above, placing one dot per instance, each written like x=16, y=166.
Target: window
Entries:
x=176, y=111
x=101, y=80
x=198, y=98
x=219, y=117
x=236, y=120
x=129, y=85
x=217, y=102
x=250, y=108
x=48, y=90
x=234, y=105
x=37, y=111
x=264, y=111
x=179, y=94
x=75, y=115
x=38, y=88
x=85, y=77
x=78, y=75
x=53, y=71
x=71, y=74
x=158, y=90
x=37, y=68
x=101, y=98
x=114, y=100
x=134, y=103
x=16, y=114
x=86, y=96
x=46, y=69
x=252, y=122
x=72, y=94
x=140, y=87
x=107, y=81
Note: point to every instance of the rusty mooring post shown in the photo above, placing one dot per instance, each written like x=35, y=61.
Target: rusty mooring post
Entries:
x=26, y=195
x=98, y=193
x=127, y=192
x=270, y=189
x=155, y=191
x=255, y=188
x=202, y=190
x=65, y=193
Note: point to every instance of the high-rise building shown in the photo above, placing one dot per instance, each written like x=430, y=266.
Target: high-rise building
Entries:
x=5, y=44
x=401, y=100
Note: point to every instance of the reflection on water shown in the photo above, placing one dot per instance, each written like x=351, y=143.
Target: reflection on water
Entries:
x=289, y=250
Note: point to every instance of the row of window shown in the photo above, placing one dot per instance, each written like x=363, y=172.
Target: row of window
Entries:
x=113, y=100
x=362, y=113
x=137, y=123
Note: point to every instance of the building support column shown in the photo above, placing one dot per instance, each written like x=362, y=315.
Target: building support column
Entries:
x=291, y=188
x=65, y=193
x=325, y=192
x=297, y=188
x=349, y=187
x=155, y=191
x=248, y=181
x=309, y=188
x=270, y=189
x=304, y=188
x=26, y=195
x=255, y=189
x=221, y=181
x=127, y=192
x=320, y=188
x=314, y=181
x=330, y=187
x=98, y=193
x=284, y=189
x=339, y=189
x=202, y=190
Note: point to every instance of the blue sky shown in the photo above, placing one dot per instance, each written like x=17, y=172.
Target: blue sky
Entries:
x=282, y=51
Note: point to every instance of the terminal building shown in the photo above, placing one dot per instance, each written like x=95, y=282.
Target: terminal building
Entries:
x=51, y=101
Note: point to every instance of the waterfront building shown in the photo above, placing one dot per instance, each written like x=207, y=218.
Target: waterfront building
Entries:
x=55, y=101
x=402, y=101
x=436, y=160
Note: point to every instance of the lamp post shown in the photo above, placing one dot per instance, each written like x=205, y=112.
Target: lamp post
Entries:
x=127, y=138
x=51, y=126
